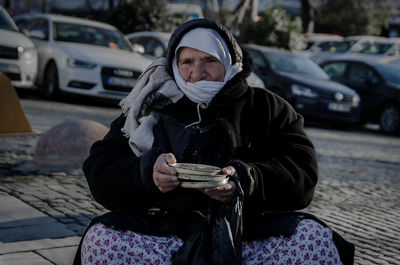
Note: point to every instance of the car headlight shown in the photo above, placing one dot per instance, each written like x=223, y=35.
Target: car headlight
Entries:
x=71, y=62
x=356, y=100
x=27, y=53
x=304, y=91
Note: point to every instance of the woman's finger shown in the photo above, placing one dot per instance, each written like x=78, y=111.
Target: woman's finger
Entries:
x=229, y=170
x=164, y=176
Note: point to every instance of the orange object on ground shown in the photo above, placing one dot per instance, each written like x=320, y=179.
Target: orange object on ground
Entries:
x=12, y=115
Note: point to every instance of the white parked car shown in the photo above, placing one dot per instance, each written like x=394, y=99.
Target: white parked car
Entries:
x=18, y=55
x=82, y=56
x=374, y=47
x=379, y=47
x=154, y=44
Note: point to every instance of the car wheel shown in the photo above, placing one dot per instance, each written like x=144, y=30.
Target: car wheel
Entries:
x=51, y=81
x=390, y=119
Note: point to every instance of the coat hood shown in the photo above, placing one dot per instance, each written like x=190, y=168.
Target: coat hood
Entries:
x=234, y=48
x=235, y=87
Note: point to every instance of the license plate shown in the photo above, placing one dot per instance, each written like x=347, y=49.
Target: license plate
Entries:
x=9, y=68
x=339, y=107
x=118, y=81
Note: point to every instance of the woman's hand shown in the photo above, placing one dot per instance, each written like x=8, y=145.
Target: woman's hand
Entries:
x=222, y=193
x=164, y=176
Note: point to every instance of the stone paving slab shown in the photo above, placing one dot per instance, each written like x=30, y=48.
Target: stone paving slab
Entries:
x=19, y=221
x=60, y=256
x=24, y=258
x=41, y=244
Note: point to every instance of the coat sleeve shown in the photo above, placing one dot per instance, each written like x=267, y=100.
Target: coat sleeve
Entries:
x=117, y=178
x=282, y=169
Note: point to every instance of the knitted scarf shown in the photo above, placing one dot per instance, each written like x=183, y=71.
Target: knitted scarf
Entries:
x=154, y=90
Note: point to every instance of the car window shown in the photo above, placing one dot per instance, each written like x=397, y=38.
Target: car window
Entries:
x=335, y=46
x=325, y=46
x=257, y=58
x=335, y=70
x=40, y=24
x=360, y=73
x=309, y=44
x=396, y=50
x=374, y=47
x=287, y=62
x=5, y=23
x=22, y=23
x=137, y=40
x=389, y=73
x=78, y=33
x=152, y=46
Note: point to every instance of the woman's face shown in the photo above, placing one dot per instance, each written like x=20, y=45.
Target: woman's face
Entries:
x=195, y=65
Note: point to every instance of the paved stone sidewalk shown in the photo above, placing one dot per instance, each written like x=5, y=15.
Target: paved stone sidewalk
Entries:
x=358, y=195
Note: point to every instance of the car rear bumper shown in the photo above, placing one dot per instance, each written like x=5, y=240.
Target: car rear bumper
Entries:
x=102, y=82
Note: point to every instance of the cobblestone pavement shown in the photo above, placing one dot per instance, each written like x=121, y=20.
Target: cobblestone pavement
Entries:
x=358, y=193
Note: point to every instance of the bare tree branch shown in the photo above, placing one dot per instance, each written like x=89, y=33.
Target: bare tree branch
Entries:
x=308, y=16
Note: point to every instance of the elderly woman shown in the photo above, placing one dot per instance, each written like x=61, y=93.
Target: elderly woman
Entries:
x=195, y=106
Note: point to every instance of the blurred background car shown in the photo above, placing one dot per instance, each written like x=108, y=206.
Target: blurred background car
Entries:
x=154, y=44
x=151, y=43
x=319, y=42
x=304, y=85
x=82, y=56
x=378, y=86
x=18, y=55
x=378, y=48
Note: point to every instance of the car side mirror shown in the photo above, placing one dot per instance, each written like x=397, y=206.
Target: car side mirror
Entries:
x=37, y=34
x=138, y=48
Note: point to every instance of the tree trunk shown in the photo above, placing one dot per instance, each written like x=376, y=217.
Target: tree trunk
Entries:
x=43, y=7
x=28, y=4
x=254, y=8
x=215, y=6
x=242, y=11
x=308, y=16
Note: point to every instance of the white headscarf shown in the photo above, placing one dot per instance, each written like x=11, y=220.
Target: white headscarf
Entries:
x=208, y=41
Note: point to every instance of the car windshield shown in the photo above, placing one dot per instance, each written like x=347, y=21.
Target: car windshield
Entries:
x=335, y=46
x=294, y=64
x=375, y=47
x=389, y=73
x=69, y=32
x=5, y=23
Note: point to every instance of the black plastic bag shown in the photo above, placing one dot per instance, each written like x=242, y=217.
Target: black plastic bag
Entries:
x=218, y=239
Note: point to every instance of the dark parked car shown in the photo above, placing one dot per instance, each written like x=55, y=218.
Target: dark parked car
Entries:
x=304, y=84
x=378, y=86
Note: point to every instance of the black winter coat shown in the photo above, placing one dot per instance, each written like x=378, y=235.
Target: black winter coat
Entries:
x=258, y=133
x=252, y=129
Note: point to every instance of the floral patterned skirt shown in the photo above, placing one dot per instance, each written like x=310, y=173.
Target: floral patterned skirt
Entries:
x=311, y=243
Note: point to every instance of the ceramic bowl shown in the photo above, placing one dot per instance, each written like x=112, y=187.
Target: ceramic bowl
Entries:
x=196, y=169
x=203, y=184
x=218, y=177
